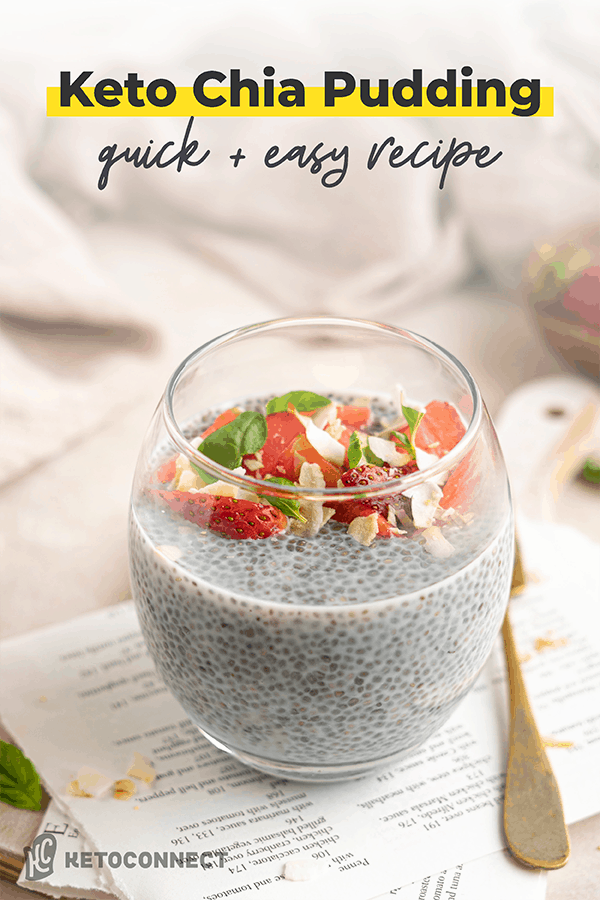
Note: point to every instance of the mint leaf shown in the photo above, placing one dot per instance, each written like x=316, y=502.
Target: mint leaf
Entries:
x=302, y=401
x=406, y=442
x=413, y=418
x=591, y=472
x=354, y=451
x=285, y=504
x=228, y=444
x=371, y=457
x=19, y=782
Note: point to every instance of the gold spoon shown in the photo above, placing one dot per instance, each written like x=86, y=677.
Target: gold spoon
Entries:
x=534, y=822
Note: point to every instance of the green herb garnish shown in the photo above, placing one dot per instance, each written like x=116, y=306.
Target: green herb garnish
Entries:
x=413, y=419
x=405, y=441
x=591, y=472
x=227, y=445
x=372, y=457
x=19, y=782
x=354, y=451
x=302, y=401
x=286, y=505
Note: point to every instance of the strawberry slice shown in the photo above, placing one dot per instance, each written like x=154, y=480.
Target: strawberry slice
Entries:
x=460, y=487
x=224, y=419
x=239, y=519
x=246, y=520
x=166, y=472
x=277, y=453
x=365, y=475
x=355, y=417
x=440, y=430
x=196, y=508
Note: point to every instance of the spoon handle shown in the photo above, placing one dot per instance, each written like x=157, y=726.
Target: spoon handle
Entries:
x=534, y=823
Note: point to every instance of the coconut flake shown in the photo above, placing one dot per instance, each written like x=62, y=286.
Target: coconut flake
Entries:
x=311, y=476
x=388, y=451
x=243, y=494
x=220, y=489
x=323, y=443
x=303, y=869
x=335, y=429
x=141, y=768
x=436, y=543
x=75, y=791
x=255, y=462
x=364, y=529
x=424, y=501
x=425, y=460
x=93, y=783
x=325, y=415
x=316, y=514
x=186, y=478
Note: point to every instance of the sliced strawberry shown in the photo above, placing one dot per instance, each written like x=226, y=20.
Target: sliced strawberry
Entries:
x=240, y=519
x=459, y=489
x=245, y=520
x=196, y=508
x=440, y=430
x=277, y=453
x=224, y=419
x=366, y=475
x=166, y=472
x=355, y=417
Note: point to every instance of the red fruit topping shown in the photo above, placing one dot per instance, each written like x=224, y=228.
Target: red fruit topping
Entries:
x=277, y=453
x=243, y=519
x=224, y=419
x=365, y=475
x=355, y=417
x=166, y=472
x=239, y=519
x=458, y=490
x=440, y=430
x=196, y=508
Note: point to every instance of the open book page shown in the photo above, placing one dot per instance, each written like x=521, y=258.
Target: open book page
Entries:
x=84, y=693
x=494, y=877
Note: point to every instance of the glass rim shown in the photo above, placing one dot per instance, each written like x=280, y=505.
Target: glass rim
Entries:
x=379, y=489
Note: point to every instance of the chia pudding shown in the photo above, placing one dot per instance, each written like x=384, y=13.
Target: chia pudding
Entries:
x=312, y=653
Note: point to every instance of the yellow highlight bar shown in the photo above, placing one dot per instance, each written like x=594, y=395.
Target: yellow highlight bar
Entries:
x=185, y=104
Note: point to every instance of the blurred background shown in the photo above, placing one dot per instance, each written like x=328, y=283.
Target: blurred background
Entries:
x=103, y=293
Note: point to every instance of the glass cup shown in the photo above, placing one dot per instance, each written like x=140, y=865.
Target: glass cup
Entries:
x=323, y=653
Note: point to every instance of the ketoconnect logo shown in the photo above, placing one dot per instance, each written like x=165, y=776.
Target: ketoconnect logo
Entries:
x=341, y=94
x=39, y=858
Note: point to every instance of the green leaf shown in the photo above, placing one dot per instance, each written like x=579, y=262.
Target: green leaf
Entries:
x=413, y=418
x=354, y=451
x=406, y=442
x=371, y=457
x=286, y=505
x=19, y=782
x=206, y=478
x=591, y=472
x=228, y=444
x=302, y=401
